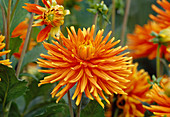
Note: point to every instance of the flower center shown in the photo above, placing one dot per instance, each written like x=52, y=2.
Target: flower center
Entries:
x=49, y=16
x=86, y=50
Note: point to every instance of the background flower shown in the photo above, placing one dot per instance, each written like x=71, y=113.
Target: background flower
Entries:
x=21, y=30
x=157, y=95
x=2, y=45
x=52, y=16
x=140, y=43
x=136, y=91
x=163, y=15
x=94, y=66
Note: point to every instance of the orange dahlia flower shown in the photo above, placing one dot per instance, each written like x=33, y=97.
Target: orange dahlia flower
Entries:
x=163, y=15
x=140, y=43
x=52, y=16
x=136, y=91
x=93, y=66
x=2, y=45
x=21, y=30
x=158, y=95
x=74, y=2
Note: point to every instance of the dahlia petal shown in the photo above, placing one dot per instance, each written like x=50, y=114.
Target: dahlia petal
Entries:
x=83, y=83
x=33, y=8
x=43, y=34
x=78, y=98
x=78, y=76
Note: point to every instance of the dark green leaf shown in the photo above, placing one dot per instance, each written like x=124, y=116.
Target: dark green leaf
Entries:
x=55, y=110
x=14, y=112
x=93, y=109
x=15, y=43
x=31, y=56
x=29, y=75
x=10, y=86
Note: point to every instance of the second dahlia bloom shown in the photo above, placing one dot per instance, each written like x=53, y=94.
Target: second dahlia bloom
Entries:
x=158, y=95
x=136, y=91
x=91, y=64
x=163, y=15
x=21, y=30
x=2, y=46
x=141, y=45
x=52, y=16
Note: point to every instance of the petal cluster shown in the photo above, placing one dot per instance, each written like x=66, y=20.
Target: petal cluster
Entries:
x=2, y=46
x=21, y=30
x=92, y=64
x=140, y=43
x=163, y=15
x=157, y=95
x=52, y=16
x=136, y=91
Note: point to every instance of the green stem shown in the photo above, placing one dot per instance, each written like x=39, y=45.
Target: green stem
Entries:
x=113, y=17
x=70, y=104
x=4, y=5
x=116, y=112
x=78, y=110
x=158, y=61
x=8, y=27
x=25, y=44
x=125, y=19
x=13, y=11
x=4, y=21
x=95, y=23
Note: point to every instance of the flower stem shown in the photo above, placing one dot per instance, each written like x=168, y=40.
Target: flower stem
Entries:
x=13, y=11
x=25, y=44
x=95, y=23
x=70, y=105
x=125, y=22
x=78, y=110
x=158, y=61
x=8, y=27
x=4, y=21
x=113, y=17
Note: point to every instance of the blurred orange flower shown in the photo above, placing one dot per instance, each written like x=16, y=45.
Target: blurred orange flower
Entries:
x=136, y=91
x=2, y=45
x=93, y=66
x=158, y=95
x=140, y=43
x=77, y=7
x=52, y=16
x=21, y=30
x=163, y=15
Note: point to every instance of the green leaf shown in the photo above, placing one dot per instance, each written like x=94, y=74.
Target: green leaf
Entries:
x=31, y=56
x=10, y=86
x=15, y=43
x=93, y=109
x=35, y=91
x=14, y=111
x=20, y=13
x=29, y=75
x=55, y=110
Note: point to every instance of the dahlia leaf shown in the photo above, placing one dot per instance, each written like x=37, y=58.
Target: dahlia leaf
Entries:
x=10, y=86
x=93, y=109
x=56, y=110
x=15, y=43
x=20, y=13
x=31, y=56
x=14, y=111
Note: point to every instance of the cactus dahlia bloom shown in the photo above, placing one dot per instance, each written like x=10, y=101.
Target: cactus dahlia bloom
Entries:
x=21, y=30
x=2, y=45
x=136, y=91
x=91, y=64
x=163, y=15
x=158, y=95
x=140, y=43
x=52, y=16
